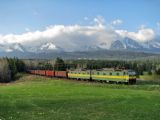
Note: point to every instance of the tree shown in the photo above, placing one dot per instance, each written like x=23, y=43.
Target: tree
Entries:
x=20, y=65
x=5, y=75
x=158, y=70
x=12, y=66
x=59, y=65
x=15, y=65
x=48, y=66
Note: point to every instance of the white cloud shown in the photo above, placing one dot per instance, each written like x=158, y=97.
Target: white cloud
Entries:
x=143, y=34
x=75, y=37
x=117, y=22
x=142, y=27
x=99, y=20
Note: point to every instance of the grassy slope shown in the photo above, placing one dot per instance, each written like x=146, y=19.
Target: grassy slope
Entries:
x=40, y=98
x=150, y=77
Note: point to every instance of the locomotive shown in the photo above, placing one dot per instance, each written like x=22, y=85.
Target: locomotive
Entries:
x=103, y=75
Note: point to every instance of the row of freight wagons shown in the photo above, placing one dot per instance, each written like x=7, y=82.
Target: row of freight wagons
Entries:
x=50, y=73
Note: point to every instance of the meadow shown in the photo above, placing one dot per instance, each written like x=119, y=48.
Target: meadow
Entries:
x=153, y=77
x=40, y=98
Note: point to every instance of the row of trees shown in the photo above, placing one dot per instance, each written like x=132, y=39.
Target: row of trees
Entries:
x=149, y=66
x=58, y=64
x=9, y=67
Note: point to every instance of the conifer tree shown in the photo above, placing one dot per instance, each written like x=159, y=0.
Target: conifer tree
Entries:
x=59, y=65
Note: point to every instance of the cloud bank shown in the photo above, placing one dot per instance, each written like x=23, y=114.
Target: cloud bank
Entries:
x=77, y=37
x=142, y=35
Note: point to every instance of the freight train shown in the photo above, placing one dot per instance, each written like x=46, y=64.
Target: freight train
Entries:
x=104, y=76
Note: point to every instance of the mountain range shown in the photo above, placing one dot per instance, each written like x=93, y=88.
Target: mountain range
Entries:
x=124, y=45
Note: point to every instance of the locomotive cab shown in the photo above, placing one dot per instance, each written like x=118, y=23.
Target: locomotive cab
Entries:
x=132, y=77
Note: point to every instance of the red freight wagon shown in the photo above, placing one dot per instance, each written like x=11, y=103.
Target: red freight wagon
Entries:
x=36, y=72
x=32, y=71
x=41, y=72
x=62, y=74
x=50, y=73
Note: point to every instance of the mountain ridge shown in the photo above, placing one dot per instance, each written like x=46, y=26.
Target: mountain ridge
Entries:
x=126, y=47
x=99, y=54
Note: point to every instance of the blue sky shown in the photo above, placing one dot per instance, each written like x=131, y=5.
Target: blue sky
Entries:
x=16, y=16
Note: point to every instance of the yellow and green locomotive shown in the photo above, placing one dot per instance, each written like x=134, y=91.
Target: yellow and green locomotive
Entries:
x=109, y=75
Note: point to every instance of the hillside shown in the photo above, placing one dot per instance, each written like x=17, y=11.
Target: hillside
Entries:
x=39, y=98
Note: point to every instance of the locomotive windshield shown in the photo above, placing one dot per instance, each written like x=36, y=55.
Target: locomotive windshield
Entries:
x=132, y=73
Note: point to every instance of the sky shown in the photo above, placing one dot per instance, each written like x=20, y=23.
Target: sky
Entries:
x=22, y=21
x=18, y=16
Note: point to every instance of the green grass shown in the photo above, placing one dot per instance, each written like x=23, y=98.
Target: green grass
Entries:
x=150, y=77
x=39, y=98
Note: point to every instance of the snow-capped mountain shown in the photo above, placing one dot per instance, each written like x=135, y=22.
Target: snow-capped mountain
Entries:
x=16, y=47
x=155, y=44
x=117, y=45
x=49, y=47
x=129, y=44
x=126, y=44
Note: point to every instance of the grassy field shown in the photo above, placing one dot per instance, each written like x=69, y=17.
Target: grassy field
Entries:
x=150, y=77
x=39, y=98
